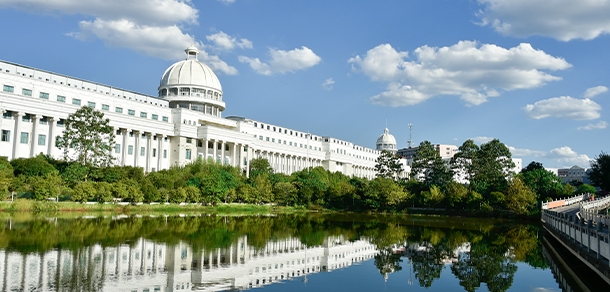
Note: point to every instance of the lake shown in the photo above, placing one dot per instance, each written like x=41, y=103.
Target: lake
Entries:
x=303, y=252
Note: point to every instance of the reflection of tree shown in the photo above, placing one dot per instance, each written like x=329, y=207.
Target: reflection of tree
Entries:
x=428, y=264
x=484, y=264
x=387, y=262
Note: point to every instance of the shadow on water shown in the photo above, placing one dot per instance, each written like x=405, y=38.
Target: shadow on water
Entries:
x=226, y=253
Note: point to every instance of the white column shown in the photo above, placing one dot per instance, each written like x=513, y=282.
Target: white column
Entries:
x=136, y=152
x=234, y=156
x=17, y=135
x=52, y=124
x=204, y=143
x=222, y=152
x=148, y=151
x=124, y=132
x=159, y=152
x=34, y=119
x=214, y=150
x=248, y=158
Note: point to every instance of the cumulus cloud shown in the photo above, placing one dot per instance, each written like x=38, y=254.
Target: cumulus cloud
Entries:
x=525, y=152
x=225, y=42
x=470, y=70
x=593, y=91
x=600, y=125
x=328, y=84
x=227, y=1
x=564, y=107
x=560, y=19
x=568, y=157
x=481, y=139
x=283, y=61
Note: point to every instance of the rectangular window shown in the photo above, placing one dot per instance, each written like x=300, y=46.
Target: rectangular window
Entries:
x=189, y=140
x=131, y=112
x=117, y=148
x=155, y=117
x=154, y=152
x=130, y=150
x=91, y=104
x=76, y=101
x=42, y=139
x=26, y=92
x=267, y=139
x=118, y=109
x=44, y=120
x=273, y=140
x=188, y=154
x=24, y=137
x=164, y=153
x=44, y=95
x=6, y=136
x=61, y=98
x=165, y=119
x=105, y=107
x=143, y=114
x=260, y=137
x=8, y=88
x=7, y=114
x=26, y=118
x=61, y=122
x=142, y=151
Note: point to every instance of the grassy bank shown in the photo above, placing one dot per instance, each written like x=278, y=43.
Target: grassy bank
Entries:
x=25, y=205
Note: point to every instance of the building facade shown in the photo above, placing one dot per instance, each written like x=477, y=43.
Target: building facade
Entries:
x=180, y=125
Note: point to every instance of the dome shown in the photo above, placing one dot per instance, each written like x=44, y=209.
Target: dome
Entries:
x=386, y=141
x=190, y=72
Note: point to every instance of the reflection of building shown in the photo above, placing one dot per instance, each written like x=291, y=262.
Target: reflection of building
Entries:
x=148, y=266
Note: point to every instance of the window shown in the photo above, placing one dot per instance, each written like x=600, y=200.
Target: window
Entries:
x=155, y=117
x=61, y=98
x=42, y=139
x=24, y=137
x=76, y=101
x=7, y=115
x=44, y=120
x=26, y=92
x=142, y=151
x=154, y=152
x=91, y=104
x=188, y=154
x=26, y=118
x=8, y=88
x=117, y=148
x=105, y=107
x=164, y=153
x=165, y=119
x=267, y=139
x=131, y=112
x=118, y=110
x=130, y=150
x=6, y=136
x=255, y=125
x=189, y=140
x=61, y=122
x=44, y=95
x=273, y=140
x=143, y=114
x=260, y=137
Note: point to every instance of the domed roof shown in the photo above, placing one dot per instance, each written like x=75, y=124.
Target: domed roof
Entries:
x=190, y=72
x=386, y=138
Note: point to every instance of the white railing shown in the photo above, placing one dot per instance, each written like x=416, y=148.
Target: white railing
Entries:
x=565, y=202
x=589, y=210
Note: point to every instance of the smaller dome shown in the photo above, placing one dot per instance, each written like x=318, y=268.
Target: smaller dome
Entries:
x=190, y=72
x=386, y=141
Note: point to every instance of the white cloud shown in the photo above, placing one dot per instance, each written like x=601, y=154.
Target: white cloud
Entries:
x=564, y=107
x=225, y=42
x=560, y=19
x=600, y=125
x=593, y=91
x=568, y=157
x=143, y=12
x=162, y=42
x=283, y=61
x=328, y=84
x=227, y=1
x=467, y=69
x=481, y=140
x=525, y=152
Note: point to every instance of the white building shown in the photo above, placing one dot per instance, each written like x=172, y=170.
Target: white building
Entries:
x=574, y=174
x=180, y=125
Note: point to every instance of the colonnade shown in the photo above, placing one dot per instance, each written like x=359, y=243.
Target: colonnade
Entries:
x=287, y=163
x=36, y=136
x=237, y=154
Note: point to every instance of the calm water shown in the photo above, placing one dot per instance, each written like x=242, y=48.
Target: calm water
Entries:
x=272, y=253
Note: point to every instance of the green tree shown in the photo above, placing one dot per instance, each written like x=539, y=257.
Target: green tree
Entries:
x=34, y=166
x=534, y=165
x=388, y=165
x=104, y=192
x=284, y=192
x=600, y=171
x=585, y=189
x=430, y=167
x=6, y=175
x=543, y=182
x=47, y=186
x=456, y=194
x=260, y=165
x=84, y=191
x=519, y=197
x=90, y=135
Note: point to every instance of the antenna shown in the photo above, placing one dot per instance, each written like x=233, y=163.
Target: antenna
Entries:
x=409, y=141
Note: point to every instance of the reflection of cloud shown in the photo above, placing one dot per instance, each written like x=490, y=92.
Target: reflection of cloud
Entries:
x=541, y=289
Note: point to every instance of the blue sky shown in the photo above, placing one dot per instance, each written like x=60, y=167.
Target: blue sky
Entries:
x=532, y=73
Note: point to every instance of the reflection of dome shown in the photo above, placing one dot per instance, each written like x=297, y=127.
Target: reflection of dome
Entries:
x=192, y=85
x=386, y=142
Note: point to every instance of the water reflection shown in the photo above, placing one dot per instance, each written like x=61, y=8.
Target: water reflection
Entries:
x=213, y=253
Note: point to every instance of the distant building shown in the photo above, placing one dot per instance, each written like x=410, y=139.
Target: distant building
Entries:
x=574, y=174
x=446, y=151
x=386, y=142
